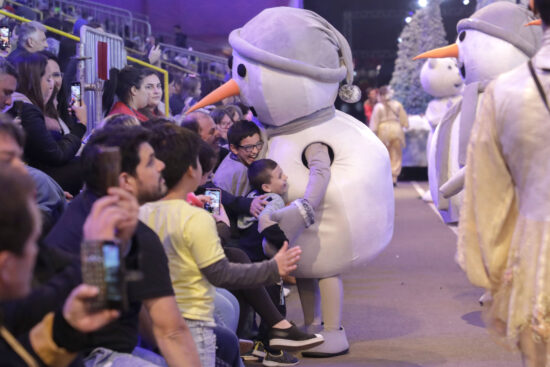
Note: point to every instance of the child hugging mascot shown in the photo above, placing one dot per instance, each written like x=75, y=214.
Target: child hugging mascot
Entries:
x=287, y=64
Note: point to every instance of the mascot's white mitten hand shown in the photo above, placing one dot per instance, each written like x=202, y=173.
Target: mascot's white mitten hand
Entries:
x=300, y=214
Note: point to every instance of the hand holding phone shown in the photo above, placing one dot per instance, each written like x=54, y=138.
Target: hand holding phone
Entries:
x=76, y=94
x=4, y=38
x=102, y=267
x=215, y=200
x=102, y=264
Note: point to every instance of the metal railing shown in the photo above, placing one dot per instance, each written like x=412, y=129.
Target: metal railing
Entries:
x=131, y=59
x=214, y=67
x=39, y=13
x=118, y=21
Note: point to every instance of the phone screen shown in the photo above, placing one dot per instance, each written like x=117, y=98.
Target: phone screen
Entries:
x=215, y=196
x=111, y=266
x=4, y=37
x=75, y=94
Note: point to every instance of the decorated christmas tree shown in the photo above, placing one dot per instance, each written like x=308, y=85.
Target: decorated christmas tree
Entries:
x=482, y=3
x=424, y=32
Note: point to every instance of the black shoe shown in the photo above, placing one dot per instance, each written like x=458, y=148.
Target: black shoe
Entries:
x=293, y=339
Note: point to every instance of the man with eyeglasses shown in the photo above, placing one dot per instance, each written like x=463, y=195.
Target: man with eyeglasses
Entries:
x=245, y=144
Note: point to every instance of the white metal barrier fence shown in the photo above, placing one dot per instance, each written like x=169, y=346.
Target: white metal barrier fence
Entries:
x=99, y=52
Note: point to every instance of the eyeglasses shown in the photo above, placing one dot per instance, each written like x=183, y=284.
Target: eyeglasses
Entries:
x=249, y=148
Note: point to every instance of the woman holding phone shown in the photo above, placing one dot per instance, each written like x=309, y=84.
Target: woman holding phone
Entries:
x=61, y=115
x=48, y=147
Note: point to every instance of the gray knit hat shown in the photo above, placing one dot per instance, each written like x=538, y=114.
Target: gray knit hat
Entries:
x=297, y=41
x=505, y=20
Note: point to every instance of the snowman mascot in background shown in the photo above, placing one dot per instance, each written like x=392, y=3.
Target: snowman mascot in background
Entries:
x=287, y=65
x=492, y=41
x=440, y=78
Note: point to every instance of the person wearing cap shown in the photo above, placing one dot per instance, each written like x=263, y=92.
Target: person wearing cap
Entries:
x=504, y=223
x=287, y=65
x=490, y=42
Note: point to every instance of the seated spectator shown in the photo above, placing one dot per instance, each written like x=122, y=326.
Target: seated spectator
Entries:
x=31, y=37
x=204, y=125
x=197, y=260
x=234, y=112
x=8, y=83
x=141, y=177
x=265, y=177
x=155, y=107
x=222, y=117
x=48, y=151
x=257, y=298
x=245, y=143
x=188, y=92
x=119, y=119
x=53, y=340
x=60, y=116
x=49, y=196
x=234, y=205
x=129, y=87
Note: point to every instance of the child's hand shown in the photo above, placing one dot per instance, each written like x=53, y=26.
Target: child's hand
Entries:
x=222, y=217
x=258, y=204
x=204, y=199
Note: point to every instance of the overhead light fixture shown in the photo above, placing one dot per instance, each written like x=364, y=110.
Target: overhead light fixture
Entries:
x=399, y=40
x=465, y=2
x=408, y=19
x=422, y=3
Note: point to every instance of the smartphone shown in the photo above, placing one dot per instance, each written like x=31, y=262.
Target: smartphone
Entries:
x=214, y=205
x=108, y=169
x=4, y=38
x=101, y=267
x=112, y=275
x=76, y=94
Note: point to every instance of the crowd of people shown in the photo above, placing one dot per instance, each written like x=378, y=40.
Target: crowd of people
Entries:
x=204, y=278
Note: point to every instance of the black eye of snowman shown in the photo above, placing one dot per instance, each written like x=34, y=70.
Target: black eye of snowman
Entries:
x=241, y=70
x=461, y=36
x=230, y=62
x=450, y=67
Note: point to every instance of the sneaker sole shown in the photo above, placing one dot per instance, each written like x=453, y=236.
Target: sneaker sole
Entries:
x=274, y=363
x=251, y=358
x=323, y=355
x=293, y=345
x=259, y=354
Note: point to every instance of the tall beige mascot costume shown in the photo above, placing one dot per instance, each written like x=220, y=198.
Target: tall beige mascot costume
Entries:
x=287, y=65
x=492, y=41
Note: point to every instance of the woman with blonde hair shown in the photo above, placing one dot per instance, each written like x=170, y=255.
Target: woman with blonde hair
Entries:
x=387, y=122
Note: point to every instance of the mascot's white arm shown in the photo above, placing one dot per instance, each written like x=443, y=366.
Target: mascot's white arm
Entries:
x=299, y=215
x=454, y=185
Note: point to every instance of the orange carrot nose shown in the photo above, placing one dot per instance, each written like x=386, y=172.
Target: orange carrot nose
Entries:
x=229, y=89
x=534, y=22
x=438, y=53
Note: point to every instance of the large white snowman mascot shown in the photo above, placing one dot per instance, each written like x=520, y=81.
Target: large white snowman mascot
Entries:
x=287, y=65
x=440, y=78
x=492, y=41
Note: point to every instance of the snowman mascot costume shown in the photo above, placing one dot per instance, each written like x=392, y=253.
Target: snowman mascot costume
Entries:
x=440, y=78
x=492, y=41
x=287, y=64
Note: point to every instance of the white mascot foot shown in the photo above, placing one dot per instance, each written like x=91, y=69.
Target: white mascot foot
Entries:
x=427, y=197
x=336, y=343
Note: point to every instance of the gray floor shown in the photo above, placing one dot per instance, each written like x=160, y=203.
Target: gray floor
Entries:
x=412, y=306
